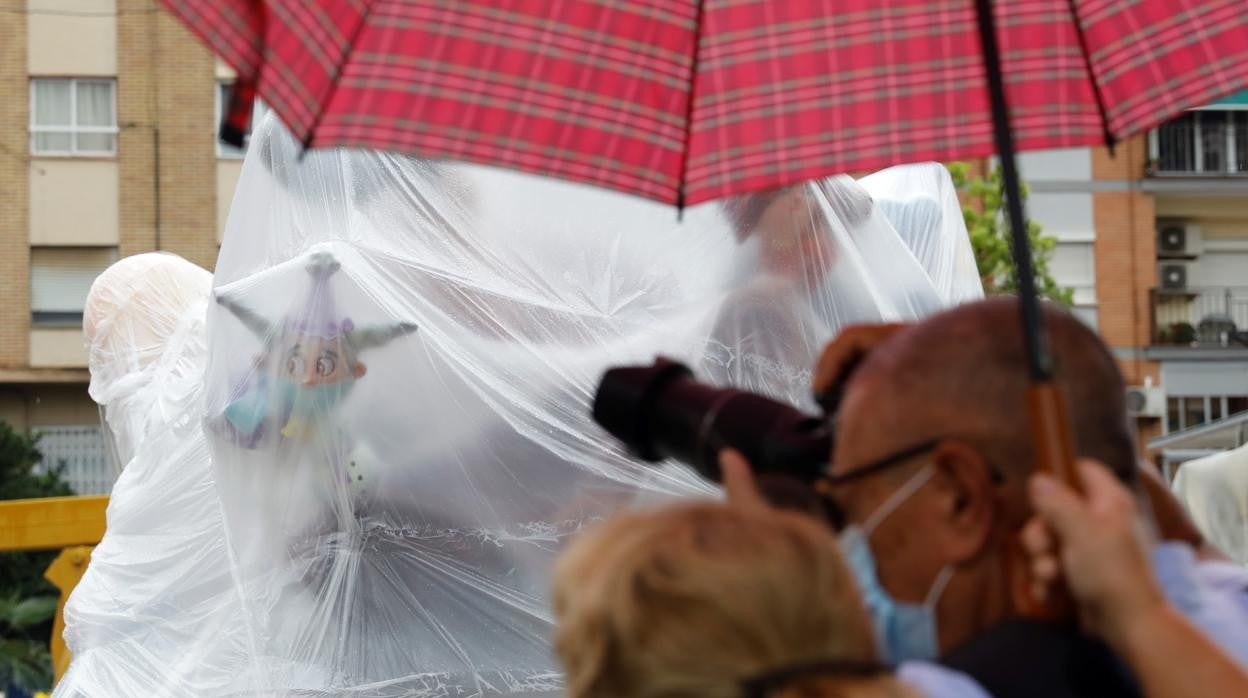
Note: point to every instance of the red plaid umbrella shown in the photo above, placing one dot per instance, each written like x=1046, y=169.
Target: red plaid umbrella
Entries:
x=684, y=101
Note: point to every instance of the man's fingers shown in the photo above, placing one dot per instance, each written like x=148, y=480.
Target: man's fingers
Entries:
x=1101, y=485
x=1036, y=538
x=1059, y=506
x=1046, y=568
x=738, y=480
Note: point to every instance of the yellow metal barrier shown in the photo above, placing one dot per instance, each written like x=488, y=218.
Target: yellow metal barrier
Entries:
x=51, y=523
x=71, y=524
x=65, y=572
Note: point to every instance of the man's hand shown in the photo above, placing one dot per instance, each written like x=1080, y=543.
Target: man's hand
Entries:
x=1097, y=544
x=845, y=352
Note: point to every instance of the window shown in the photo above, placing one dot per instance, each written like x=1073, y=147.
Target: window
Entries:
x=1187, y=411
x=1207, y=141
x=225, y=150
x=70, y=116
x=1073, y=266
x=60, y=278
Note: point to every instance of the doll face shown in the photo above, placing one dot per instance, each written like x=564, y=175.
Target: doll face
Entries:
x=312, y=361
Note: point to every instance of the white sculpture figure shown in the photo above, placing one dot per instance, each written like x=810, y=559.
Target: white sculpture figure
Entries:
x=157, y=610
x=1214, y=489
x=388, y=503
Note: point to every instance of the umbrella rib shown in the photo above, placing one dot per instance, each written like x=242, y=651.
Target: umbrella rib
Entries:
x=1110, y=139
x=334, y=80
x=693, y=81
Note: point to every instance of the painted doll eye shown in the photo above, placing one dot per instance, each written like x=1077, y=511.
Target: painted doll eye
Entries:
x=325, y=366
x=294, y=366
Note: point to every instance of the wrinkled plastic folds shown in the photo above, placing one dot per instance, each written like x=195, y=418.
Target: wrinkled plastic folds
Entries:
x=364, y=465
x=1214, y=490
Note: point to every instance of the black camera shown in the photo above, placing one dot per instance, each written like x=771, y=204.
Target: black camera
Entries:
x=661, y=411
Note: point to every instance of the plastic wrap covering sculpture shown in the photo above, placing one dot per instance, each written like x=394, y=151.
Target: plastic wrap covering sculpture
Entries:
x=401, y=357
x=1214, y=489
x=156, y=612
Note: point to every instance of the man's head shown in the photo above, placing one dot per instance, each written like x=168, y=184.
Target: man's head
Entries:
x=958, y=382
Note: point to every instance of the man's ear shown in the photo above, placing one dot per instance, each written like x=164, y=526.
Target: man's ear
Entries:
x=966, y=496
x=359, y=370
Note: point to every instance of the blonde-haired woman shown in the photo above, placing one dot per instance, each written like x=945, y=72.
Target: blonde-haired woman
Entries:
x=708, y=601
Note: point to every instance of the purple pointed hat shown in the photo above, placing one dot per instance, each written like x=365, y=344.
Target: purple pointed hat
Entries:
x=319, y=315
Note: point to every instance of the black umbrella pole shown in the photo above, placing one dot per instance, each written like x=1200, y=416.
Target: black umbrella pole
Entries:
x=1050, y=420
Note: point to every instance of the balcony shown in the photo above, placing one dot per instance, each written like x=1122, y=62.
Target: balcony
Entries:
x=1209, y=317
x=1203, y=143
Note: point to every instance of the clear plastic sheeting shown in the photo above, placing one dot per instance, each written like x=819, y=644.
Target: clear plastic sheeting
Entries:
x=401, y=359
x=157, y=611
x=922, y=205
x=1214, y=489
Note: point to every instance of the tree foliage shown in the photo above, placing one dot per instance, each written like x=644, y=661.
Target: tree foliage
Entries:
x=983, y=209
x=27, y=600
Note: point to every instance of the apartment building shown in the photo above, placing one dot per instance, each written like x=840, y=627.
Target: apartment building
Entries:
x=1155, y=243
x=107, y=149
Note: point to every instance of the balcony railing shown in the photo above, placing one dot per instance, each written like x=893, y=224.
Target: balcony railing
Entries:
x=1201, y=317
x=1201, y=143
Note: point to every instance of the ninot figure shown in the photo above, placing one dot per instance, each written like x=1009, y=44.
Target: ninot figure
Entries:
x=309, y=364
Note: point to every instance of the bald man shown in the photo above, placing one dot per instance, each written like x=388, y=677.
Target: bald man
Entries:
x=929, y=471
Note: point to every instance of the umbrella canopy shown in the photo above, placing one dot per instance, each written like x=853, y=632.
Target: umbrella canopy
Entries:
x=685, y=100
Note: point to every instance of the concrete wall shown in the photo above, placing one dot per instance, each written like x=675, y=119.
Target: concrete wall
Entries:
x=74, y=202
x=80, y=40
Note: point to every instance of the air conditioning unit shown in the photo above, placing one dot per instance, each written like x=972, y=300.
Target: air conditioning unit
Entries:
x=1181, y=240
x=1146, y=401
x=1174, y=276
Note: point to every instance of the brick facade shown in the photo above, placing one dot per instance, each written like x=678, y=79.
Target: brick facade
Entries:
x=165, y=103
x=1126, y=255
x=1124, y=218
x=14, y=187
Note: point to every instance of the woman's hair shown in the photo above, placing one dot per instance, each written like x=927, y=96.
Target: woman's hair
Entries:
x=694, y=599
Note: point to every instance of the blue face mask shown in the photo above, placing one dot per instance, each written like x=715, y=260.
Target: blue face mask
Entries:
x=903, y=631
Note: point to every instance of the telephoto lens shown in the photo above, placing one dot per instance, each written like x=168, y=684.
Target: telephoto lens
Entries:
x=661, y=411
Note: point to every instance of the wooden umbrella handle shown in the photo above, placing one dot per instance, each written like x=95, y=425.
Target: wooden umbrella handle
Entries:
x=1055, y=454
x=1052, y=434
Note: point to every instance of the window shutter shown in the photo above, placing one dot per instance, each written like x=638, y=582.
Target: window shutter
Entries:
x=61, y=278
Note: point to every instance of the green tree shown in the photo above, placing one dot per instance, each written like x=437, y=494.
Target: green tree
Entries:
x=27, y=600
x=983, y=208
x=25, y=661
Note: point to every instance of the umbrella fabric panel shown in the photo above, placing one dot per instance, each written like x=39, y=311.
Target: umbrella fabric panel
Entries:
x=582, y=90
x=688, y=101
x=793, y=91
x=1154, y=59
x=588, y=91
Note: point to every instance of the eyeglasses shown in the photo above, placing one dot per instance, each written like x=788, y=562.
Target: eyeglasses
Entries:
x=834, y=511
